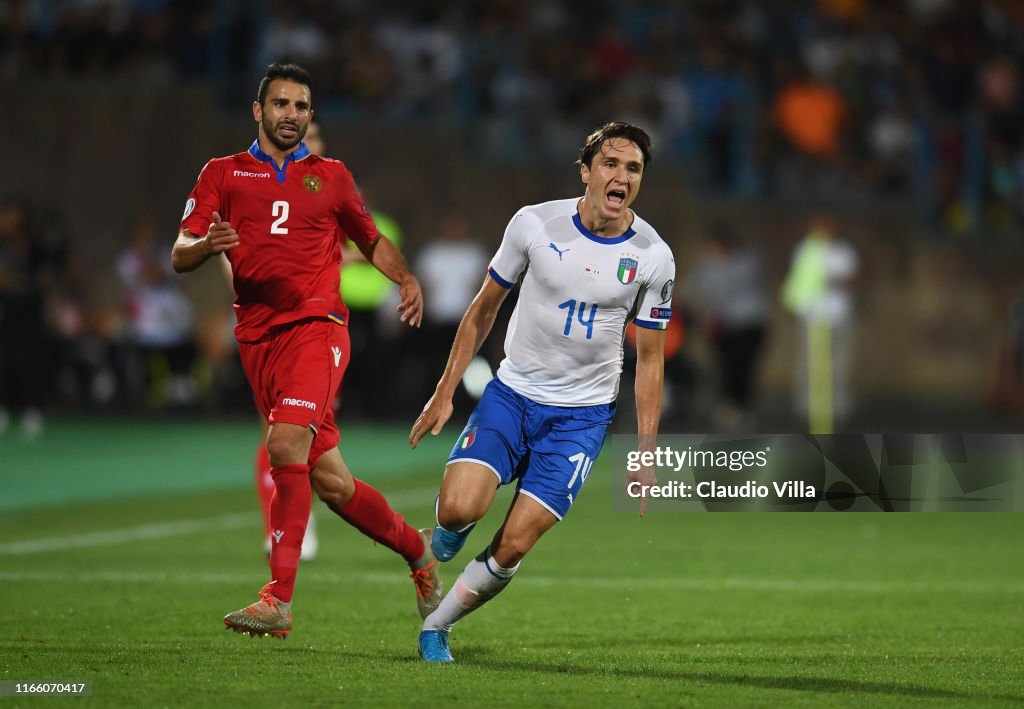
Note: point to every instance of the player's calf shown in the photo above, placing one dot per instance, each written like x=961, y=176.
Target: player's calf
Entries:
x=481, y=580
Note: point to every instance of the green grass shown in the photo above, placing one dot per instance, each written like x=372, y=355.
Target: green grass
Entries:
x=683, y=609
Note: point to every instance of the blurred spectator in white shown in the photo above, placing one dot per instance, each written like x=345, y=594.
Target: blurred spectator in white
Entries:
x=727, y=293
x=159, y=320
x=451, y=270
x=818, y=290
x=890, y=137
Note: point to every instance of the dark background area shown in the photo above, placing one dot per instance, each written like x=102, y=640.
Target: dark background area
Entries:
x=911, y=140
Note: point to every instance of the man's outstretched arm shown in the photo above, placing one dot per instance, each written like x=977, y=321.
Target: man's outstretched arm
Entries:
x=650, y=385
x=473, y=330
x=387, y=259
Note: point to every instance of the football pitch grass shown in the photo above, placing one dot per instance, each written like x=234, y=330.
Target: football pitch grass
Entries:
x=123, y=544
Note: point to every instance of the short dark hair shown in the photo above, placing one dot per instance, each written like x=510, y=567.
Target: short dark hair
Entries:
x=616, y=129
x=291, y=72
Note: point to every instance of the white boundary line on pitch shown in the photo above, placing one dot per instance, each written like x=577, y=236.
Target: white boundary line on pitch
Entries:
x=176, y=528
x=627, y=586
x=145, y=532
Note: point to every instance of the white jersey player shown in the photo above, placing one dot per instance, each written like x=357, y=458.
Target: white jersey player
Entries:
x=564, y=342
x=589, y=266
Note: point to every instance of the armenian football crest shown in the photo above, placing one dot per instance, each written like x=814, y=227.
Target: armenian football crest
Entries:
x=312, y=183
x=627, y=270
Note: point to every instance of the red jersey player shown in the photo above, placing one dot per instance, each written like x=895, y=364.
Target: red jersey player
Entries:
x=275, y=211
x=261, y=461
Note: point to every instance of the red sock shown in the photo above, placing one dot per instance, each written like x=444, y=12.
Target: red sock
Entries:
x=370, y=513
x=264, y=484
x=289, y=514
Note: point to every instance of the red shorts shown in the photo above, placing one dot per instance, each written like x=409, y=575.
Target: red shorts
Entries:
x=295, y=372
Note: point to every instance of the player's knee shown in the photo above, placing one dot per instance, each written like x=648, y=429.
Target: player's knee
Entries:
x=455, y=512
x=286, y=449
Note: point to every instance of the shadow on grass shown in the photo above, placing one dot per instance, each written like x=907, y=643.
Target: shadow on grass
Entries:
x=681, y=643
x=483, y=658
x=480, y=657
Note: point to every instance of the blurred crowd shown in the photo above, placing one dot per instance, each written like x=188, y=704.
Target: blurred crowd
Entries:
x=144, y=346
x=913, y=99
x=917, y=103
x=63, y=344
x=141, y=344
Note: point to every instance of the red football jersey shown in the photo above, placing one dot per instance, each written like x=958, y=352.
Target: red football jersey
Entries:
x=286, y=265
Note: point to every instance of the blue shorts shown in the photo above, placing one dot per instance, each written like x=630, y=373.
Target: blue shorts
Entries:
x=549, y=449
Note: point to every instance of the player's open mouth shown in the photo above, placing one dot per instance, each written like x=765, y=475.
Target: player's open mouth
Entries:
x=616, y=198
x=288, y=131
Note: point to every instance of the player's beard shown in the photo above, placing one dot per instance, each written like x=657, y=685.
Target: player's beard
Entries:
x=269, y=130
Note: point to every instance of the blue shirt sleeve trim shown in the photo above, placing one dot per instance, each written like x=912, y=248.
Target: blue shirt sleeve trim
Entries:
x=652, y=324
x=499, y=280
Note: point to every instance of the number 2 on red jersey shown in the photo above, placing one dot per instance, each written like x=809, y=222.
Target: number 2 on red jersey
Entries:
x=279, y=210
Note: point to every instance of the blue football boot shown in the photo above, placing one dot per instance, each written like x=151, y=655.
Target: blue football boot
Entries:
x=446, y=545
x=434, y=646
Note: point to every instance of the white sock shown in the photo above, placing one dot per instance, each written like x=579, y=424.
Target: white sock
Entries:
x=479, y=582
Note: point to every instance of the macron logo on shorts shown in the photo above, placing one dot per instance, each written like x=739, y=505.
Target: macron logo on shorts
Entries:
x=288, y=401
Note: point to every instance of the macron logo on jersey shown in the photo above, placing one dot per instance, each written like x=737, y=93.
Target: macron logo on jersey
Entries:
x=244, y=173
x=288, y=401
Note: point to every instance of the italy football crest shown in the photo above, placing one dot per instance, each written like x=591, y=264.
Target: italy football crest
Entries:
x=467, y=438
x=627, y=270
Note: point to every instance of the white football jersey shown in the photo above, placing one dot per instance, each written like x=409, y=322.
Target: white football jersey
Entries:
x=564, y=341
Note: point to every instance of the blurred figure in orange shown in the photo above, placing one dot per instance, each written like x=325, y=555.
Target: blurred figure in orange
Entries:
x=810, y=115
